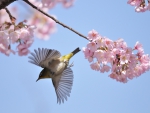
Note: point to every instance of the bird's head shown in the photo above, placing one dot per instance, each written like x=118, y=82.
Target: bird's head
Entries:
x=44, y=74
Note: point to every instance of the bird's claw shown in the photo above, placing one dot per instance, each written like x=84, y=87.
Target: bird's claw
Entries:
x=71, y=65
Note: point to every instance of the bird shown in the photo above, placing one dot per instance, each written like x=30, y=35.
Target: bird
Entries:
x=57, y=68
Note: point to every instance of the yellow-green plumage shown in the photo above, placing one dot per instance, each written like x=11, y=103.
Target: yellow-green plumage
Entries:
x=66, y=57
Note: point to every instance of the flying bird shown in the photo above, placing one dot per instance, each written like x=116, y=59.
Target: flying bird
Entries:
x=57, y=68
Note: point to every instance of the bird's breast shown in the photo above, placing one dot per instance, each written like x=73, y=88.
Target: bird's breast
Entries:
x=56, y=66
x=60, y=68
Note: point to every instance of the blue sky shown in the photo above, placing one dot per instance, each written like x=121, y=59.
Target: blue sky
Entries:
x=92, y=91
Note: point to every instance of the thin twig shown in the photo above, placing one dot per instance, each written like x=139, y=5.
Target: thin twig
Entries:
x=10, y=16
x=55, y=19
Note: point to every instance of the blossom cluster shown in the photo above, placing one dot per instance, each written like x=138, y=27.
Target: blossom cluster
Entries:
x=45, y=26
x=52, y=3
x=140, y=5
x=107, y=55
x=20, y=34
x=41, y=21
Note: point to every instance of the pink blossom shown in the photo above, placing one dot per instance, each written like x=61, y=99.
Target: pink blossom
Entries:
x=120, y=44
x=90, y=59
x=122, y=79
x=92, y=35
x=8, y=51
x=104, y=68
x=99, y=41
x=138, y=46
x=31, y=29
x=43, y=22
x=140, y=5
x=29, y=42
x=14, y=36
x=22, y=49
x=92, y=46
x=145, y=58
x=134, y=2
x=113, y=75
x=52, y=3
x=88, y=54
x=145, y=67
x=67, y=3
x=99, y=55
x=46, y=3
x=140, y=9
x=95, y=66
x=4, y=39
x=4, y=16
x=116, y=56
x=2, y=48
x=108, y=43
x=25, y=34
x=124, y=58
x=128, y=50
x=11, y=33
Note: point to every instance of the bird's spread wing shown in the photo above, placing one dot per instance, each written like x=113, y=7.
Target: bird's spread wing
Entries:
x=43, y=54
x=63, y=84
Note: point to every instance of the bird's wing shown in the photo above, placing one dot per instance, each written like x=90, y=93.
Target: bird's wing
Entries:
x=43, y=54
x=63, y=84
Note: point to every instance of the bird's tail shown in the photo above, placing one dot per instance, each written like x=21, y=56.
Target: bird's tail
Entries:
x=68, y=56
x=76, y=51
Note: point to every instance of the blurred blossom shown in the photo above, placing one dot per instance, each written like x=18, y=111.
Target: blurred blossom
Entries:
x=10, y=33
x=21, y=33
x=44, y=25
x=51, y=3
x=140, y=5
x=134, y=2
x=107, y=55
x=3, y=17
x=22, y=49
x=95, y=66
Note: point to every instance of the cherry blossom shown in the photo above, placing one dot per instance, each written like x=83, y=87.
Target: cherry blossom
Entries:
x=42, y=22
x=52, y=3
x=134, y=2
x=122, y=61
x=140, y=5
x=22, y=49
x=11, y=34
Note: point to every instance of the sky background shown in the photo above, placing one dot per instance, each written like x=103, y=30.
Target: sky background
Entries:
x=92, y=91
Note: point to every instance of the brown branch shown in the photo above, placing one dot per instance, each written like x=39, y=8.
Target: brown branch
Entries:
x=60, y=23
x=4, y=3
x=10, y=16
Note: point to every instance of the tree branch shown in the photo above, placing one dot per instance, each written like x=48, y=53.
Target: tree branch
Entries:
x=4, y=3
x=10, y=16
x=60, y=23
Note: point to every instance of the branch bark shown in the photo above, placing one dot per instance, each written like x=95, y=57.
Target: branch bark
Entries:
x=5, y=3
x=13, y=19
x=60, y=23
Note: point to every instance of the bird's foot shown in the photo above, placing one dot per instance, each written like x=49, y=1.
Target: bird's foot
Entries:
x=71, y=65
